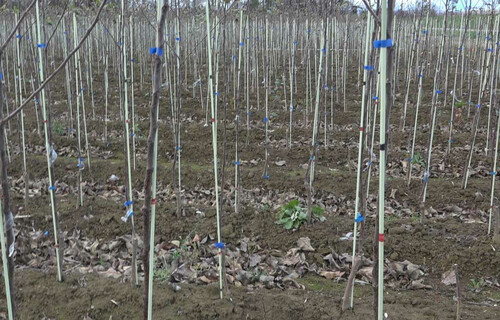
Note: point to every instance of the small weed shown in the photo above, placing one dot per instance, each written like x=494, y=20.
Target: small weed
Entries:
x=58, y=128
x=477, y=285
x=292, y=215
x=418, y=159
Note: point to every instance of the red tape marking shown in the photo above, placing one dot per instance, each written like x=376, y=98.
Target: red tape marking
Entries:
x=381, y=237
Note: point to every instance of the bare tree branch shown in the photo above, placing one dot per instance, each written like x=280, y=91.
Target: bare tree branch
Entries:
x=49, y=78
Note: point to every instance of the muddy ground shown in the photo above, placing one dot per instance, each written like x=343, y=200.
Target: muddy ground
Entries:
x=453, y=232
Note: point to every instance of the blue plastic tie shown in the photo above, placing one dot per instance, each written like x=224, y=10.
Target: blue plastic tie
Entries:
x=120, y=44
x=242, y=44
x=425, y=32
x=489, y=49
x=359, y=218
x=219, y=245
x=493, y=173
x=369, y=163
x=295, y=42
x=410, y=159
x=478, y=106
x=178, y=39
x=323, y=50
x=177, y=148
x=249, y=112
x=425, y=179
x=325, y=86
x=132, y=134
x=133, y=59
x=439, y=91
x=387, y=43
x=46, y=233
x=52, y=188
x=374, y=98
x=216, y=93
x=159, y=51
x=237, y=163
x=41, y=45
x=420, y=76
x=311, y=158
x=36, y=100
x=152, y=50
x=128, y=203
x=369, y=68
x=19, y=36
x=266, y=176
x=266, y=119
x=291, y=108
x=1, y=76
x=459, y=48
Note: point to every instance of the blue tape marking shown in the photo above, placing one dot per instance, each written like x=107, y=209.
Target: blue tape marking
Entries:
x=177, y=148
x=439, y=91
x=120, y=44
x=420, y=76
x=152, y=50
x=266, y=119
x=295, y=42
x=488, y=38
x=128, y=203
x=216, y=93
x=219, y=245
x=46, y=233
x=493, y=173
x=425, y=32
x=425, y=179
x=410, y=159
x=369, y=68
x=311, y=158
x=133, y=59
x=369, y=163
x=359, y=218
x=19, y=36
x=489, y=49
x=374, y=98
x=323, y=50
x=459, y=48
x=83, y=89
x=36, y=100
x=132, y=134
x=242, y=44
x=52, y=188
x=168, y=34
x=234, y=57
x=249, y=112
x=325, y=86
x=159, y=51
x=291, y=108
x=266, y=176
x=382, y=43
x=416, y=40
x=478, y=106
x=41, y=45
x=178, y=39
x=1, y=76
x=237, y=163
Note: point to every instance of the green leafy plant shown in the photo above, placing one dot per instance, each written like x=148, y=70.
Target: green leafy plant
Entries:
x=292, y=215
x=58, y=128
x=418, y=159
x=477, y=284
